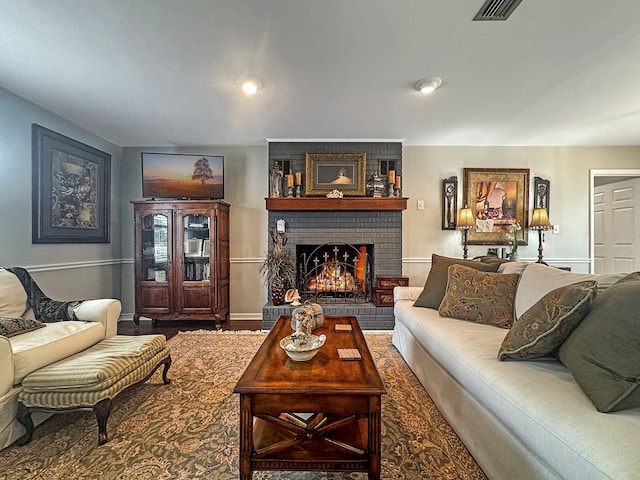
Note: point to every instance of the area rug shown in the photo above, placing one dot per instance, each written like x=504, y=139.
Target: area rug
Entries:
x=189, y=429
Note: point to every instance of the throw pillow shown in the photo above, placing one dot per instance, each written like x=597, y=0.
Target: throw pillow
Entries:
x=13, y=298
x=436, y=284
x=541, y=330
x=15, y=326
x=602, y=352
x=483, y=297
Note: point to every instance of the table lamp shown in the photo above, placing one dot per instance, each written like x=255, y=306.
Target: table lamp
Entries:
x=540, y=222
x=466, y=220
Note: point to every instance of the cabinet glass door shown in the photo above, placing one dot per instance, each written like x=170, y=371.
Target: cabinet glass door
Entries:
x=154, y=247
x=197, y=246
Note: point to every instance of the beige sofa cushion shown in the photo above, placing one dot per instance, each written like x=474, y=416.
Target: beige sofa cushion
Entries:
x=34, y=350
x=13, y=298
x=537, y=280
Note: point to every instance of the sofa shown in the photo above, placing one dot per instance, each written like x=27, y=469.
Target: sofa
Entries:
x=520, y=417
x=36, y=331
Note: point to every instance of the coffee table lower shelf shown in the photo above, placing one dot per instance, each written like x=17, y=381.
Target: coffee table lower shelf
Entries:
x=310, y=447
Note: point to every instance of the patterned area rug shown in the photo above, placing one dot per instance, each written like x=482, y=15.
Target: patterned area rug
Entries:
x=189, y=429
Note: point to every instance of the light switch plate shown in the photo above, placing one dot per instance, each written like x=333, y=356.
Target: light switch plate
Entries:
x=280, y=226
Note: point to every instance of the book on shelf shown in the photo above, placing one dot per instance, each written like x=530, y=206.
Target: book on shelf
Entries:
x=197, y=271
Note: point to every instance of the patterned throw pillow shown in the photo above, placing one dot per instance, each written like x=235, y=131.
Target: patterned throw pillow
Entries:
x=482, y=297
x=547, y=324
x=436, y=284
x=15, y=326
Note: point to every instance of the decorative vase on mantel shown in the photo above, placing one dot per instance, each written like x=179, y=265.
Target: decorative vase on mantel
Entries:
x=514, y=257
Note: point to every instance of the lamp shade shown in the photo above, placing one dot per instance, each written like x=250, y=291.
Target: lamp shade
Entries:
x=466, y=218
x=540, y=219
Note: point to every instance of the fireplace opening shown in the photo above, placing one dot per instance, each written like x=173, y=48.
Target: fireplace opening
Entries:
x=337, y=272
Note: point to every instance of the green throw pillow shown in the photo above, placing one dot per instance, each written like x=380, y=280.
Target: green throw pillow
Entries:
x=603, y=352
x=436, y=284
x=483, y=297
x=541, y=330
x=15, y=326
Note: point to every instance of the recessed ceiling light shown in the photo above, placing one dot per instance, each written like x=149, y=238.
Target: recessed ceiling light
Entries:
x=249, y=85
x=428, y=85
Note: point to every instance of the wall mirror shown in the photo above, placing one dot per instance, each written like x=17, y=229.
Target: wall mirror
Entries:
x=614, y=228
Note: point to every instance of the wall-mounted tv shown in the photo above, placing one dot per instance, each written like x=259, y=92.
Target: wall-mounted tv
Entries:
x=179, y=175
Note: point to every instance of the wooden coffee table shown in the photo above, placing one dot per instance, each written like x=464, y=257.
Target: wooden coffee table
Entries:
x=322, y=414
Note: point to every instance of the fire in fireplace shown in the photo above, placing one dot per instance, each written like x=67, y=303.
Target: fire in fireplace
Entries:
x=333, y=272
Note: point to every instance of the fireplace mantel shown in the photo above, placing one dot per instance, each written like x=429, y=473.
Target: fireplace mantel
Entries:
x=345, y=203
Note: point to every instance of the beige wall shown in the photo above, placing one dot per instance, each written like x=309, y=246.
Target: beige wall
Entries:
x=566, y=167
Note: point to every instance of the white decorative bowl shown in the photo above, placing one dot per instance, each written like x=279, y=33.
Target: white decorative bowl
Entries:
x=301, y=346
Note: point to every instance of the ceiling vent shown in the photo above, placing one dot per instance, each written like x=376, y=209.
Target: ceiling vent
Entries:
x=496, y=10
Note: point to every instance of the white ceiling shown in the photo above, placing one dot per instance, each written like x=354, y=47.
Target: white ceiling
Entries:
x=164, y=72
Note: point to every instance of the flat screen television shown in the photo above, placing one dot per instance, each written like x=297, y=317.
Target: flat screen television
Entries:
x=179, y=175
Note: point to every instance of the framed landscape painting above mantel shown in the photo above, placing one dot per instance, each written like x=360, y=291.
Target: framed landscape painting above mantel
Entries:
x=326, y=172
x=498, y=199
x=71, y=185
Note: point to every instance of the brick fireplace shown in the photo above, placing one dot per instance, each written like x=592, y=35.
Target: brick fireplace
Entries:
x=375, y=223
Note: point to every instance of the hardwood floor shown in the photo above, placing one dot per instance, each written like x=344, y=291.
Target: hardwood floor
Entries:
x=171, y=328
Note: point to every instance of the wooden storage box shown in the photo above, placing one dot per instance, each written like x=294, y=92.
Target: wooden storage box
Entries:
x=383, y=297
x=387, y=282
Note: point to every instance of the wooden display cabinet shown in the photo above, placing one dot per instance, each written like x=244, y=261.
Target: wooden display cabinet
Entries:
x=181, y=260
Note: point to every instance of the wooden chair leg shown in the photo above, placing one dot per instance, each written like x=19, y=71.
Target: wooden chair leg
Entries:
x=167, y=364
x=102, y=410
x=24, y=417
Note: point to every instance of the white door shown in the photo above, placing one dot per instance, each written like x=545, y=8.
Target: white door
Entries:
x=616, y=224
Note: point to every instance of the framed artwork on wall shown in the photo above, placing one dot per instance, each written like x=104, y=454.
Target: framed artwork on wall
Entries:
x=335, y=171
x=541, y=193
x=498, y=199
x=449, y=203
x=71, y=187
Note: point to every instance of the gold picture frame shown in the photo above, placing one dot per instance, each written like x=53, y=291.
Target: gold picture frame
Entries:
x=498, y=198
x=326, y=172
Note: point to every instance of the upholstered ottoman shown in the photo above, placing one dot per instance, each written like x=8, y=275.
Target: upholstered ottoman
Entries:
x=91, y=379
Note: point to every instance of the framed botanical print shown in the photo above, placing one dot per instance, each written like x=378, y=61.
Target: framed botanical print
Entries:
x=498, y=199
